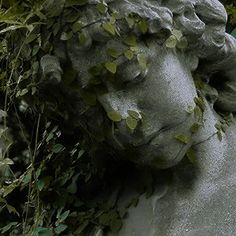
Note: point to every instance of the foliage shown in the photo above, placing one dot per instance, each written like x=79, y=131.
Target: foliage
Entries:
x=50, y=182
x=47, y=177
x=231, y=10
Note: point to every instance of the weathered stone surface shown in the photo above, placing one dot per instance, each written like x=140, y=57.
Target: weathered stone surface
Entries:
x=200, y=198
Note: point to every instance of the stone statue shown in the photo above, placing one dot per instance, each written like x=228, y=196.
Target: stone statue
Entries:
x=161, y=111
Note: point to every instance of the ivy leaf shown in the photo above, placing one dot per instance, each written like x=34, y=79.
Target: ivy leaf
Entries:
x=42, y=231
x=101, y=7
x=110, y=28
x=111, y=66
x=195, y=127
x=115, y=225
x=114, y=116
x=131, y=21
x=177, y=33
x=6, y=162
x=58, y=148
x=182, y=138
x=31, y=37
x=70, y=3
x=129, y=54
x=131, y=40
x=113, y=52
x=8, y=227
x=64, y=216
x=171, y=42
x=143, y=27
x=191, y=155
x=131, y=122
x=22, y=92
x=12, y=28
x=200, y=102
x=40, y=184
x=60, y=228
x=183, y=43
x=12, y=209
x=66, y=36
x=233, y=33
x=142, y=61
x=77, y=26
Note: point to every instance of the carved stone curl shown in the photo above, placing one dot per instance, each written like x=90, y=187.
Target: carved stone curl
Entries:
x=153, y=87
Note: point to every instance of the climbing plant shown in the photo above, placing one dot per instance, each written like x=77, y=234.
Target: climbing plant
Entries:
x=50, y=182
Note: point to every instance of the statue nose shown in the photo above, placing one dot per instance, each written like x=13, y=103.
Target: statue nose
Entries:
x=117, y=101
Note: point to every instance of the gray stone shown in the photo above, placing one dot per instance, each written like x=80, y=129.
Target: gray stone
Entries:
x=200, y=199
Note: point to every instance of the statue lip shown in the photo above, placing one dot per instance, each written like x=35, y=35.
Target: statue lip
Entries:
x=155, y=134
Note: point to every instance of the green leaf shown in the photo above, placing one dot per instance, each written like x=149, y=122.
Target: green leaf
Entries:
x=182, y=138
x=102, y=7
x=195, y=127
x=115, y=225
x=6, y=162
x=77, y=26
x=111, y=66
x=143, y=27
x=64, y=216
x=113, y=52
x=66, y=36
x=31, y=37
x=22, y=92
x=142, y=61
x=12, y=209
x=129, y=54
x=177, y=33
x=70, y=3
x=105, y=219
x=96, y=70
x=131, y=40
x=12, y=28
x=8, y=227
x=233, y=33
x=183, y=43
x=110, y=28
x=131, y=21
x=57, y=148
x=200, y=102
x=114, y=116
x=171, y=42
x=72, y=188
x=40, y=184
x=198, y=114
x=60, y=228
x=191, y=155
x=42, y=231
x=131, y=122
x=89, y=98
x=219, y=135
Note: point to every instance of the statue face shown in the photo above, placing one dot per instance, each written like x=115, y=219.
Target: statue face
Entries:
x=162, y=96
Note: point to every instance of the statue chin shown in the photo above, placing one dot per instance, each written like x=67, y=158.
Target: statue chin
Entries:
x=161, y=152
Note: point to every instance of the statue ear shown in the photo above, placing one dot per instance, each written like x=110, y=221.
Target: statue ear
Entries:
x=210, y=93
x=193, y=61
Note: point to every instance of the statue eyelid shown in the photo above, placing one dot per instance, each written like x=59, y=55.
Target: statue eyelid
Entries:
x=136, y=80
